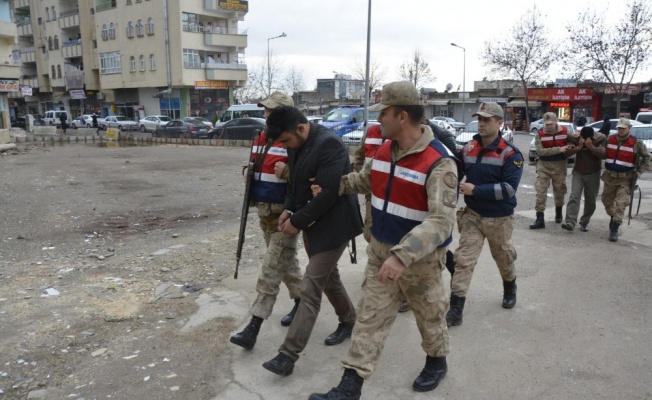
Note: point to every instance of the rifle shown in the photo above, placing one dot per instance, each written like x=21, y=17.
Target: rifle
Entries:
x=632, y=189
x=245, y=201
x=353, y=253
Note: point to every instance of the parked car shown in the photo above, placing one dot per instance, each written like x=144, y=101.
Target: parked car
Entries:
x=536, y=125
x=472, y=129
x=532, y=156
x=597, y=125
x=354, y=137
x=644, y=117
x=238, y=129
x=19, y=122
x=118, y=121
x=85, y=121
x=201, y=120
x=643, y=133
x=240, y=111
x=458, y=126
x=315, y=119
x=444, y=125
x=150, y=123
x=177, y=128
x=53, y=117
x=344, y=119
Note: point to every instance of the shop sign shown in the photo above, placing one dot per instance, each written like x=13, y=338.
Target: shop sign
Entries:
x=565, y=82
x=77, y=94
x=648, y=97
x=26, y=91
x=560, y=94
x=491, y=100
x=211, y=85
x=235, y=5
x=9, y=86
x=559, y=105
x=624, y=89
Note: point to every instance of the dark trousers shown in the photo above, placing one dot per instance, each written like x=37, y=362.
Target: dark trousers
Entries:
x=321, y=276
x=590, y=185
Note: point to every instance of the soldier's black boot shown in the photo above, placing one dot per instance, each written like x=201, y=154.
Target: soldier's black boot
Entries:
x=611, y=222
x=287, y=320
x=247, y=338
x=558, y=216
x=450, y=262
x=613, y=232
x=454, y=315
x=539, y=223
x=349, y=388
x=509, y=294
x=431, y=375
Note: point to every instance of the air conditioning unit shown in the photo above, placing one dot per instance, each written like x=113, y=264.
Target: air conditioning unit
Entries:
x=100, y=96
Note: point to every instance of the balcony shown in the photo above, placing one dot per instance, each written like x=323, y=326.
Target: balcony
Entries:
x=226, y=39
x=225, y=72
x=9, y=70
x=103, y=5
x=71, y=49
x=18, y=4
x=31, y=82
x=69, y=19
x=28, y=55
x=8, y=30
x=25, y=29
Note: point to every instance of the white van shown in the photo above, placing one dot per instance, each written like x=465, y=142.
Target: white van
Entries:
x=644, y=117
x=241, y=111
x=53, y=117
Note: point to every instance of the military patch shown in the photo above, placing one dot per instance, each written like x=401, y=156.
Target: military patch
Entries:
x=450, y=179
x=518, y=164
x=450, y=198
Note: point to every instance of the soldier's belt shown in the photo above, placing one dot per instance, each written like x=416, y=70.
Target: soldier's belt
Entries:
x=620, y=174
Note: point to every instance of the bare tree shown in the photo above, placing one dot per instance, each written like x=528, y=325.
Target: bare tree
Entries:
x=417, y=70
x=612, y=53
x=376, y=72
x=265, y=76
x=294, y=82
x=525, y=55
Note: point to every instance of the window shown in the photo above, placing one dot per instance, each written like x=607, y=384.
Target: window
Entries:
x=47, y=14
x=152, y=62
x=140, y=28
x=188, y=21
x=50, y=45
x=105, y=33
x=110, y=63
x=56, y=42
x=54, y=72
x=132, y=64
x=112, y=30
x=150, y=26
x=130, y=30
x=142, y=62
x=191, y=58
x=128, y=2
x=59, y=71
x=54, y=14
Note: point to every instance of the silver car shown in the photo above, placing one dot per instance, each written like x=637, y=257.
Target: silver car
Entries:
x=472, y=129
x=532, y=156
x=644, y=134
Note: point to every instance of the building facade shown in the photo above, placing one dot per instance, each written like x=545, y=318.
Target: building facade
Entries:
x=130, y=57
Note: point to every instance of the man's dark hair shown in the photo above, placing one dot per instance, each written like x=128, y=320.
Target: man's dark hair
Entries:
x=587, y=132
x=283, y=119
x=415, y=113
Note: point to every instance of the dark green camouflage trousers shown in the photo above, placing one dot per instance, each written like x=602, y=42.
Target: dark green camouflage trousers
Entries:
x=421, y=285
x=280, y=265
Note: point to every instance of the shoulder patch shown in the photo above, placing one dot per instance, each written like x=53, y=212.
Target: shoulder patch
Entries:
x=450, y=198
x=450, y=179
x=518, y=164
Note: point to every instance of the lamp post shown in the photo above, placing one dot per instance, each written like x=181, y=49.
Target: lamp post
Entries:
x=338, y=92
x=463, y=84
x=269, y=71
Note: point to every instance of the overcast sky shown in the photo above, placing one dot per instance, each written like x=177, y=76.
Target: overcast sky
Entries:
x=327, y=36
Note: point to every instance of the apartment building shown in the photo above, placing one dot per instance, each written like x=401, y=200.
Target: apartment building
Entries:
x=9, y=67
x=130, y=57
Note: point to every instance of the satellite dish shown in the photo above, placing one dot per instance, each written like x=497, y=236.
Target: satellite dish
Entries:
x=449, y=86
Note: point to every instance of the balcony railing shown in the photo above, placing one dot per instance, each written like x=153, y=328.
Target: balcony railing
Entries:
x=106, y=6
x=69, y=13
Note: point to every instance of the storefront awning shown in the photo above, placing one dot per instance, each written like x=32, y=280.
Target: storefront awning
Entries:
x=521, y=103
x=437, y=102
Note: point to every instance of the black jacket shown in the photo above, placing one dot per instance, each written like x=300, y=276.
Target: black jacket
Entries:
x=445, y=137
x=328, y=220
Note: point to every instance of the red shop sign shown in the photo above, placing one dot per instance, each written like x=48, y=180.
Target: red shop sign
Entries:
x=560, y=94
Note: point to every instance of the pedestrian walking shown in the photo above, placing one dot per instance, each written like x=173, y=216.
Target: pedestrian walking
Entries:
x=590, y=148
x=551, y=143
x=280, y=263
x=63, y=117
x=627, y=159
x=493, y=169
x=328, y=223
x=413, y=179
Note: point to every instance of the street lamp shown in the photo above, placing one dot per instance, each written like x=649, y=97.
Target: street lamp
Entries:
x=463, y=84
x=269, y=72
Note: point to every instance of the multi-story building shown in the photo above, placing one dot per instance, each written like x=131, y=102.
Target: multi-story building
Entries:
x=131, y=57
x=9, y=66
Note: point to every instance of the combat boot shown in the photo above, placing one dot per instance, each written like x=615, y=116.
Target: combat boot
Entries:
x=287, y=320
x=454, y=315
x=431, y=375
x=509, y=294
x=539, y=223
x=611, y=222
x=350, y=388
x=558, y=216
x=247, y=338
x=613, y=232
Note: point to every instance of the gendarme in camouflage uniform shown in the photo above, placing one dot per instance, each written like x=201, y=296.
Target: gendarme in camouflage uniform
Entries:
x=551, y=143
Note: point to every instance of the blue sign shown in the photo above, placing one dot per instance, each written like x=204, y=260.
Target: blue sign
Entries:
x=173, y=104
x=648, y=97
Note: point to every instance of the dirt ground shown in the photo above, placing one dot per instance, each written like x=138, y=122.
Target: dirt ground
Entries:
x=88, y=234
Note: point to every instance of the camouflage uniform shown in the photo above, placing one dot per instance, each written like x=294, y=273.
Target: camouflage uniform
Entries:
x=616, y=192
x=280, y=263
x=420, y=283
x=547, y=171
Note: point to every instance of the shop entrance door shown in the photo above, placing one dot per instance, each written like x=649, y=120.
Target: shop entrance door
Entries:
x=563, y=111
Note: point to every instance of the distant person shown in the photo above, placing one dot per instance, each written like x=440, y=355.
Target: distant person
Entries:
x=63, y=117
x=590, y=148
x=606, y=126
x=621, y=166
x=581, y=120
